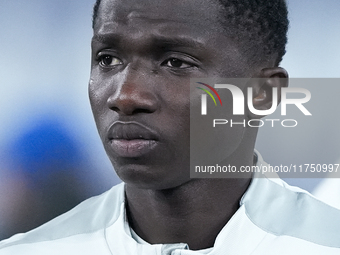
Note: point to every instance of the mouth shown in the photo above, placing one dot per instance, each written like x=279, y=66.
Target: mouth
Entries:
x=132, y=139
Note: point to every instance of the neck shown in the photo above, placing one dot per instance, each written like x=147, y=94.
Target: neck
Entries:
x=184, y=214
x=193, y=213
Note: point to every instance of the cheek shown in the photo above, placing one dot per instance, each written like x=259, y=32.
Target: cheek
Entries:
x=98, y=100
x=210, y=145
x=97, y=92
x=175, y=107
x=175, y=122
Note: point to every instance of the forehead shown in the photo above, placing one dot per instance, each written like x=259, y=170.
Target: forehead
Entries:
x=194, y=16
x=190, y=26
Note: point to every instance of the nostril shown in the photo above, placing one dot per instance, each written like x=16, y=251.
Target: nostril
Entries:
x=114, y=108
x=140, y=110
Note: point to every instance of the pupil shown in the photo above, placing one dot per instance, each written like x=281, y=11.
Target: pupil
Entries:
x=107, y=60
x=176, y=62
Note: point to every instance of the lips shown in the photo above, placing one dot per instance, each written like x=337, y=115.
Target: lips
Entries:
x=132, y=139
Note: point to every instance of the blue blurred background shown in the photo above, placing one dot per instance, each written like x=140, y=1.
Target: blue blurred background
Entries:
x=51, y=157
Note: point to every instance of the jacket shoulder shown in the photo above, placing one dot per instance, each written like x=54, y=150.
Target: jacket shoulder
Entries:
x=89, y=216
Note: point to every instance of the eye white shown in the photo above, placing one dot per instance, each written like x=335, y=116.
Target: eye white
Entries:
x=177, y=63
x=108, y=60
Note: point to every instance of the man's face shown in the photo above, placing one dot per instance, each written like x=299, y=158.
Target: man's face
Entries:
x=143, y=56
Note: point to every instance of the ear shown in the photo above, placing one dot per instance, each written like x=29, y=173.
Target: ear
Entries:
x=262, y=86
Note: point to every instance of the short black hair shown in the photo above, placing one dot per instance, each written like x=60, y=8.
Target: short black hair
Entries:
x=260, y=27
x=95, y=12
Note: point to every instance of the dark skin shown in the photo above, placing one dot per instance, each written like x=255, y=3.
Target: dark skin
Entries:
x=143, y=56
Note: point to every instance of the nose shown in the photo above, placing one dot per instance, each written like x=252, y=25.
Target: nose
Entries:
x=133, y=93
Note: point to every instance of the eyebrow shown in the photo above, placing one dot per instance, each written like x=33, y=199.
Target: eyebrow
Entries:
x=155, y=41
x=176, y=42
x=106, y=38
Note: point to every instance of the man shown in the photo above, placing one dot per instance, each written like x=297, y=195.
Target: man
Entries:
x=144, y=54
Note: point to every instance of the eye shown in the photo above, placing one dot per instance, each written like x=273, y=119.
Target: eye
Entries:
x=177, y=63
x=109, y=61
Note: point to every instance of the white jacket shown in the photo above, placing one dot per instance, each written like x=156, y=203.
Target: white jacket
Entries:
x=273, y=218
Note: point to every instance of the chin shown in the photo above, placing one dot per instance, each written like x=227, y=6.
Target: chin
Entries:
x=144, y=177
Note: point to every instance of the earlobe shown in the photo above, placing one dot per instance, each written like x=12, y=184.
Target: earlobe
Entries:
x=266, y=91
